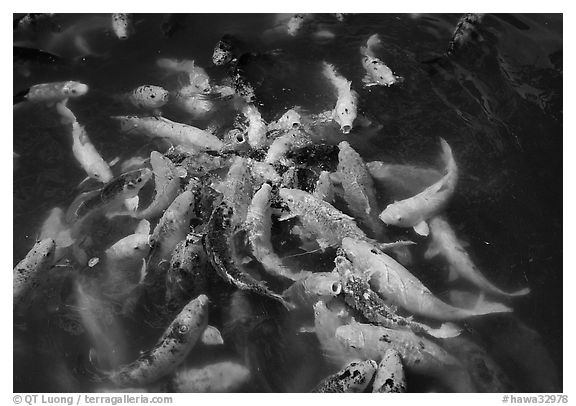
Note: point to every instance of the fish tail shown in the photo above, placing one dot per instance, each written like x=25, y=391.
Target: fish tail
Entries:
x=484, y=306
x=340, y=83
x=21, y=96
x=447, y=156
x=446, y=330
x=372, y=43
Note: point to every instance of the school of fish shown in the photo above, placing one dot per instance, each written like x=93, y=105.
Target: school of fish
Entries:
x=190, y=242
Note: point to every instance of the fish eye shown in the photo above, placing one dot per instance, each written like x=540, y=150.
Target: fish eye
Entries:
x=74, y=91
x=139, y=180
x=346, y=110
x=240, y=138
x=183, y=329
x=152, y=96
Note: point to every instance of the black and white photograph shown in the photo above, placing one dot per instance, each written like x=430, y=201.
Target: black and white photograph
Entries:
x=258, y=202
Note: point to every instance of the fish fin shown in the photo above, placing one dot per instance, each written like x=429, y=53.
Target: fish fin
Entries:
x=21, y=96
x=432, y=251
x=422, y=228
x=287, y=216
x=24, y=71
x=483, y=306
x=323, y=243
x=383, y=246
x=143, y=227
x=131, y=204
x=335, y=177
x=446, y=330
x=180, y=172
x=452, y=274
x=83, y=181
x=114, y=161
x=306, y=330
x=211, y=336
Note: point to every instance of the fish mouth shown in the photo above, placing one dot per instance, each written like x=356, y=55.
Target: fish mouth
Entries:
x=346, y=129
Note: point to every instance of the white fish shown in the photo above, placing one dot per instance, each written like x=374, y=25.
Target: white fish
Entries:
x=390, y=376
x=359, y=191
x=256, y=126
x=444, y=242
x=52, y=92
x=396, y=284
x=122, y=25
x=353, y=378
x=170, y=350
x=177, y=133
x=166, y=185
x=377, y=73
x=258, y=226
x=87, y=155
x=416, y=210
x=29, y=271
x=419, y=354
x=220, y=377
x=346, y=108
x=173, y=226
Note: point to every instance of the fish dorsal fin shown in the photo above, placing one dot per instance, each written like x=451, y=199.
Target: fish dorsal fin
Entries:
x=422, y=228
x=143, y=227
x=211, y=336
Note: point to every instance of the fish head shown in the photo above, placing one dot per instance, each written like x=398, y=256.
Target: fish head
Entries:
x=122, y=25
x=135, y=180
x=351, y=336
x=290, y=120
x=74, y=89
x=127, y=123
x=100, y=171
x=45, y=248
x=185, y=326
x=235, y=139
x=153, y=96
x=393, y=215
x=323, y=284
x=345, y=113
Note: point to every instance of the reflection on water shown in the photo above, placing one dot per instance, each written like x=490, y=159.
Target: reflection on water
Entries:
x=497, y=102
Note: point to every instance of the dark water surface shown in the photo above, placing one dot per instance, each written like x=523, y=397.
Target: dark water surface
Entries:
x=497, y=102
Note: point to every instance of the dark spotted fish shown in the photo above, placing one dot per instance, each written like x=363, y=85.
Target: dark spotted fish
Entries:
x=187, y=275
x=222, y=246
x=29, y=270
x=353, y=378
x=466, y=30
x=123, y=187
x=170, y=350
x=390, y=376
x=223, y=51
